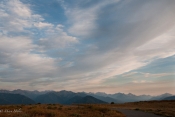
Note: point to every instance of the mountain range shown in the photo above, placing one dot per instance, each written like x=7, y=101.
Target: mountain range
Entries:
x=69, y=97
x=8, y=98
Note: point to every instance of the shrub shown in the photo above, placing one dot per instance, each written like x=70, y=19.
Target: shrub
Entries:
x=136, y=109
x=112, y=102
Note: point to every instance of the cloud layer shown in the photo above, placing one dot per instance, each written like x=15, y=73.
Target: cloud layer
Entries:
x=97, y=44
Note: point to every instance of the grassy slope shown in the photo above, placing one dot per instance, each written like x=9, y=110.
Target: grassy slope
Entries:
x=56, y=110
x=163, y=108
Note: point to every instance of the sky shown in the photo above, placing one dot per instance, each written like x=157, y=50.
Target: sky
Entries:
x=88, y=45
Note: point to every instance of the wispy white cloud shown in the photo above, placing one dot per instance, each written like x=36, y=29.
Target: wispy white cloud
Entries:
x=19, y=51
x=83, y=19
x=98, y=41
x=17, y=16
x=20, y=62
x=12, y=45
x=43, y=25
x=141, y=81
x=143, y=75
x=57, y=38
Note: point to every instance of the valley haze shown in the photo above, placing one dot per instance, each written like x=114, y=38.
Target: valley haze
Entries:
x=88, y=45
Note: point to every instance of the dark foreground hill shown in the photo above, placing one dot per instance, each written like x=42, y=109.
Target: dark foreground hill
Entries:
x=7, y=98
x=61, y=97
x=169, y=98
x=87, y=100
x=67, y=97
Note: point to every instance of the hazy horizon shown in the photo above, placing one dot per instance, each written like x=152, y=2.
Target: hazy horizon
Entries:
x=93, y=46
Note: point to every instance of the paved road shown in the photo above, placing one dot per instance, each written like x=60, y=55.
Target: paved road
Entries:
x=134, y=113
